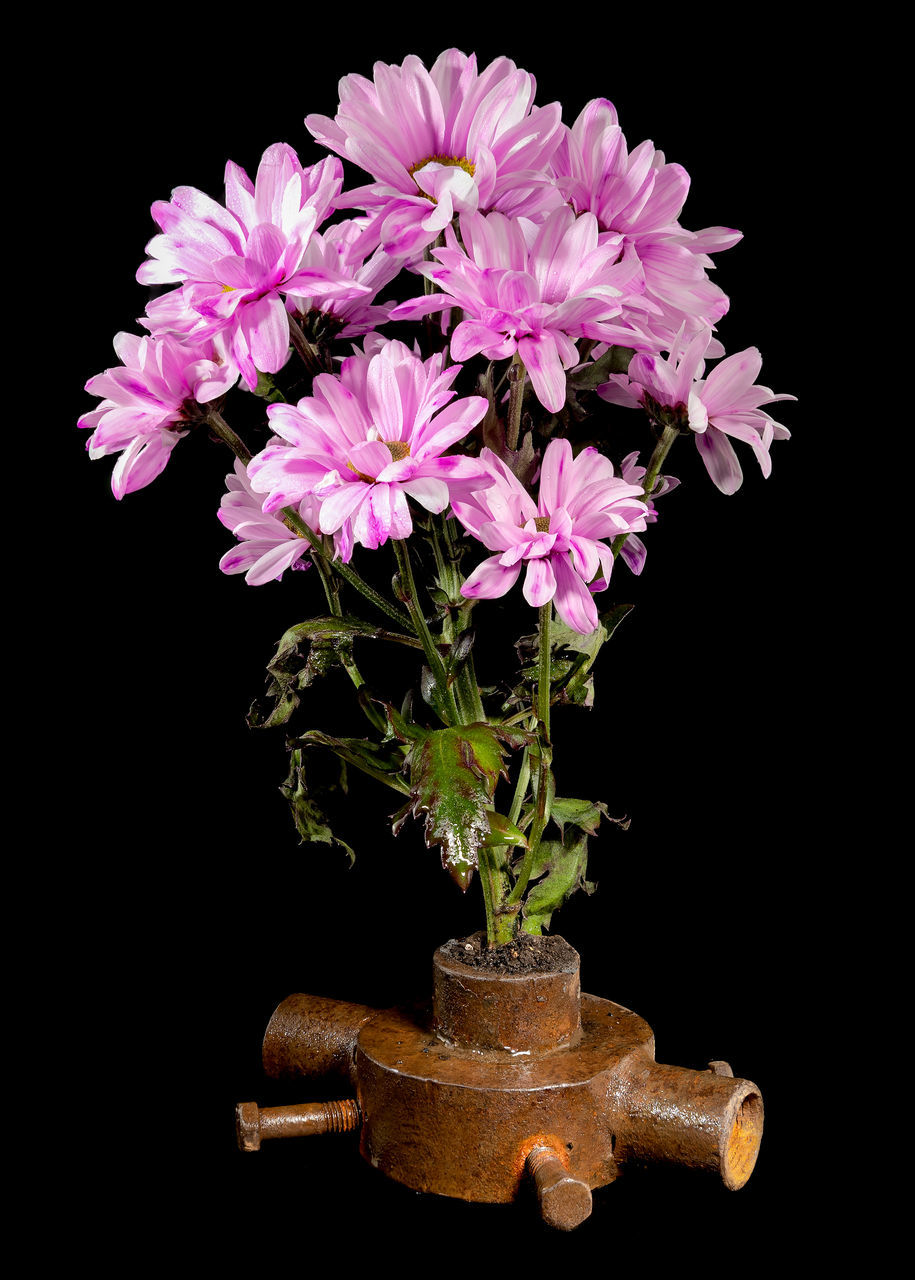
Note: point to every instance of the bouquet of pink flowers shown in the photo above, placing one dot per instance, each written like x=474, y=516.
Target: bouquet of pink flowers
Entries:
x=441, y=372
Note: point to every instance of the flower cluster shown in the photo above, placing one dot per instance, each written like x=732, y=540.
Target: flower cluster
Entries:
x=554, y=248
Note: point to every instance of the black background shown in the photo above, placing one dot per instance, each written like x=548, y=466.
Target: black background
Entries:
x=176, y=903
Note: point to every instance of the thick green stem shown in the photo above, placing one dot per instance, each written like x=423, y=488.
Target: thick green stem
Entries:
x=661, y=450
x=448, y=710
x=516, y=375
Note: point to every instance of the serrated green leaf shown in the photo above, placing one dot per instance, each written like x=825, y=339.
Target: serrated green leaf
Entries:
x=453, y=775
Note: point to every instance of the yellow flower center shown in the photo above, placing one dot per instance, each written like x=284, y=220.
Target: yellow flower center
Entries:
x=459, y=162
x=542, y=524
x=456, y=162
x=396, y=448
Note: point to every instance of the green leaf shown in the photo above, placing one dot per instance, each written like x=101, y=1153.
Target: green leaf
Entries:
x=596, y=372
x=453, y=775
x=502, y=831
x=383, y=761
x=584, y=814
x=309, y=819
x=561, y=866
x=307, y=652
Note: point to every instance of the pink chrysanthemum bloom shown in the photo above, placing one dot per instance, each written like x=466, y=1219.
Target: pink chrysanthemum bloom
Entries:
x=267, y=547
x=366, y=441
x=532, y=289
x=633, y=550
x=351, y=314
x=149, y=401
x=725, y=404
x=441, y=142
x=560, y=537
x=235, y=262
x=639, y=196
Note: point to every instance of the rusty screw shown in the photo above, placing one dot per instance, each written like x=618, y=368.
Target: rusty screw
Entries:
x=564, y=1201
x=253, y=1124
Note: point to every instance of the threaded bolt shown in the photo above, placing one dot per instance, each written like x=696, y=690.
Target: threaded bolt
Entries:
x=254, y=1124
x=565, y=1201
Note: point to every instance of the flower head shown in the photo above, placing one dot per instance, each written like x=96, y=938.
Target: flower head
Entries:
x=633, y=551
x=149, y=402
x=533, y=289
x=350, y=312
x=725, y=404
x=268, y=547
x=367, y=440
x=441, y=142
x=234, y=262
x=560, y=538
x=638, y=195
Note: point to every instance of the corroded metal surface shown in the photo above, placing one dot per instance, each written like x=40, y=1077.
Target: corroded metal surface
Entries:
x=253, y=1124
x=507, y=1077
x=312, y=1036
x=520, y=1012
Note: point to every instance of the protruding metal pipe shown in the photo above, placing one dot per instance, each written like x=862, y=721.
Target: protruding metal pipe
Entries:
x=565, y=1201
x=254, y=1124
x=700, y=1119
x=313, y=1037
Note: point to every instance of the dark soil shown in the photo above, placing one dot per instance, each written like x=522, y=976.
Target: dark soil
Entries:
x=524, y=955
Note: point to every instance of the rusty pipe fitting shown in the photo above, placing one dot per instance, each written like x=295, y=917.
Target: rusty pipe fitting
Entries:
x=254, y=1124
x=510, y=1077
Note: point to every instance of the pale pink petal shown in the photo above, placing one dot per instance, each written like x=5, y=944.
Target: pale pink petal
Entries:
x=573, y=600
x=539, y=582
x=490, y=579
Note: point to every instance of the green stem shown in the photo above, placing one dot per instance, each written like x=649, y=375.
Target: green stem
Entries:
x=516, y=375
x=218, y=424
x=545, y=754
x=661, y=450
x=448, y=710
x=308, y=353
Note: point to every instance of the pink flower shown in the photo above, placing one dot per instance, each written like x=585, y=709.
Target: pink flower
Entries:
x=532, y=290
x=367, y=440
x=726, y=403
x=441, y=142
x=639, y=196
x=633, y=550
x=268, y=546
x=236, y=261
x=351, y=312
x=150, y=401
x=560, y=537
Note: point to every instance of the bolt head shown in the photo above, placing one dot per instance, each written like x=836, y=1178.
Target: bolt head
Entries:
x=566, y=1203
x=247, y=1126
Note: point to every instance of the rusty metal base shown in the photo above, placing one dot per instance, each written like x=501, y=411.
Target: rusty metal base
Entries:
x=506, y=1077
